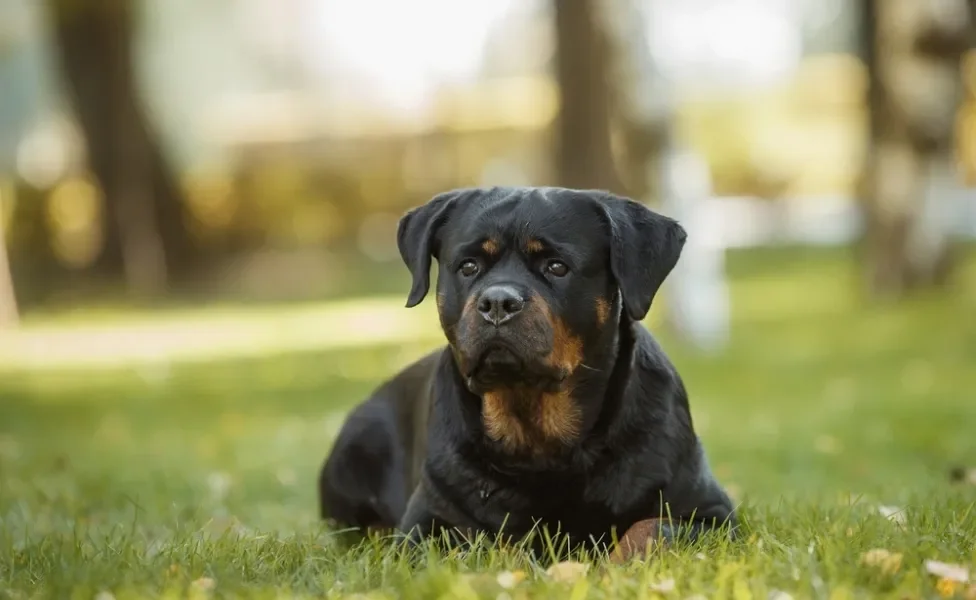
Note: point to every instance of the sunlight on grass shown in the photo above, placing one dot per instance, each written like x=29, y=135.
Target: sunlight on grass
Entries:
x=210, y=334
x=833, y=423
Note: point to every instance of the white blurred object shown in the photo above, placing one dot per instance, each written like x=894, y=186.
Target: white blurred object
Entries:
x=730, y=44
x=697, y=290
x=697, y=293
x=46, y=153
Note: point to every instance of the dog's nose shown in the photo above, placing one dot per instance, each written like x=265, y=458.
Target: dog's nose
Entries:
x=499, y=303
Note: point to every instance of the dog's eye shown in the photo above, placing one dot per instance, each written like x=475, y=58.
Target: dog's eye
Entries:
x=557, y=268
x=469, y=268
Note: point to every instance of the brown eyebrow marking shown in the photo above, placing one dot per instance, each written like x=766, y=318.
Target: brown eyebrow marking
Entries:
x=490, y=246
x=534, y=246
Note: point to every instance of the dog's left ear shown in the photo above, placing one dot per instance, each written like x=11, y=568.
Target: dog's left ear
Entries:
x=644, y=248
x=418, y=239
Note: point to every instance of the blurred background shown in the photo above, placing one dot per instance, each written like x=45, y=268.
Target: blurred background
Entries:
x=186, y=183
x=264, y=149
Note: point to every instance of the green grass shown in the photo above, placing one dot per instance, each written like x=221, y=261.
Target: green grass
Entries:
x=140, y=481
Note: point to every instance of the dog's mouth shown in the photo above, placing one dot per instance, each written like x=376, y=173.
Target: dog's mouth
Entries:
x=497, y=359
x=500, y=366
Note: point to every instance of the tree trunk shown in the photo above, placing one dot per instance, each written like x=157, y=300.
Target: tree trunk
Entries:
x=8, y=301
x=913, y=50
x=146, y=238
x=583, y=154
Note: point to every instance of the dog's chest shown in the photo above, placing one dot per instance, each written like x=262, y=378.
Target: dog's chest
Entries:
x=517, y=509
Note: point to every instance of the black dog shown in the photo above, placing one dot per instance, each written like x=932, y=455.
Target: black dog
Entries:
x=551, y=403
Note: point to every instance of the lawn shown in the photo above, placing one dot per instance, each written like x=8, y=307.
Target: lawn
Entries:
x=834, y=424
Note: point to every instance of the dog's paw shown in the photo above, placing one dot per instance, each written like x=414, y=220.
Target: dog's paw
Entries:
x=637, y=542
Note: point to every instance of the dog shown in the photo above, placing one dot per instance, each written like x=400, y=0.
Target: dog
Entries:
x=551, y=404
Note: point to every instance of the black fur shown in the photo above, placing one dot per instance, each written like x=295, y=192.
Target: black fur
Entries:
x=417, y=455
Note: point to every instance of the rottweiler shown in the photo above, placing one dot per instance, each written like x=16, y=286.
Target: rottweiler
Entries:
x=551, y=404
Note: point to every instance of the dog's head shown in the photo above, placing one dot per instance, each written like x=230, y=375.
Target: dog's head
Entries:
x=532, y=285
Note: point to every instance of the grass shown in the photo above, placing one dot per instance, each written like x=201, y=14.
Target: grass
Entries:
x=192, y=479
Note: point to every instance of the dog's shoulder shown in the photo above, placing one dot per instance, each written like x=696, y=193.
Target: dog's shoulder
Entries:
x=652, y=385
x=650, y=357
x=659, y=399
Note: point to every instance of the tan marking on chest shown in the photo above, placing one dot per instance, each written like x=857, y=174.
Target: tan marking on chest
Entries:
x=530, y=421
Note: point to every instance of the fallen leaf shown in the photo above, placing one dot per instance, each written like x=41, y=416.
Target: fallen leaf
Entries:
x=510, y=579
x=947, y=588
x=734, y=491
x=700, y=556
x=219, y=484
x=893, y=514
x=963, y=475
x=204, y=583
x=664, y=586
x=224, y=525
x=949, y=571
x=567, y=571
x=886, y=561
x=637, y=541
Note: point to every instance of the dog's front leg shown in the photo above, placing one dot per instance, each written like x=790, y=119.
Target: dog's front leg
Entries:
x=644, y=536
x=428, y=515
x=418, y=521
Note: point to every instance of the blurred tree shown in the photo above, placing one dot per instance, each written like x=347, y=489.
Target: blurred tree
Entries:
x=583, y=154
x=643, y=107
x=660, y=165
x=146, y=238
x=913, y=50
x=8, y=302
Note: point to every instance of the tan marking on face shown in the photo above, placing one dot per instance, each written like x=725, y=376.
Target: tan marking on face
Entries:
x=602, y=310
x=534, y=246
x=567, y=349
x=529, y=421
x=490, y=247
x=461, y=328
x=440, y=301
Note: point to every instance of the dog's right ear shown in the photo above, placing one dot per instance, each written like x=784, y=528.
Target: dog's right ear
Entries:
x=418, y=239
